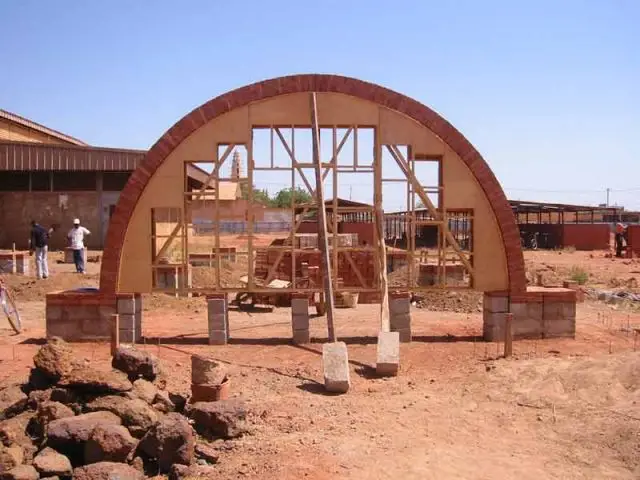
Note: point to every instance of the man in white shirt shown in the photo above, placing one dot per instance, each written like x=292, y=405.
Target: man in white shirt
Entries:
x=76, y=238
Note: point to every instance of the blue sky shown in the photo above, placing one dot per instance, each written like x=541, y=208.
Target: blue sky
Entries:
x=547, y=91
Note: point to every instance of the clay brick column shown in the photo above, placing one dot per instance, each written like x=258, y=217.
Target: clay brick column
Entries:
x=400, y=314
x=126, y=309
x=300, y=318
x=218, y=319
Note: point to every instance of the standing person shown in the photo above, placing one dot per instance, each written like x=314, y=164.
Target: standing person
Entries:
x=39, y=242
x=620, y=239
x=76, y=238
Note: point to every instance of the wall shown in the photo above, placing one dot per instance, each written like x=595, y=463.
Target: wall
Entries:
x=17, y=209
x=595, y=236
x=165, y=188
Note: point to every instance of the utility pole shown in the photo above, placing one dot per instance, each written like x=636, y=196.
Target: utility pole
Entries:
x=608, y=190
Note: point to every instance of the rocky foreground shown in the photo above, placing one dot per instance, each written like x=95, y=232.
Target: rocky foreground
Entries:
x=73, y=421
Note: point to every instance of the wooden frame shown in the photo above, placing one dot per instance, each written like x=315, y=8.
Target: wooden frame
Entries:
x=330, y=167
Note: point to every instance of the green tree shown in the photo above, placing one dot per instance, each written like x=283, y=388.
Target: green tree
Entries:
x=259, y=196
x=283, y=197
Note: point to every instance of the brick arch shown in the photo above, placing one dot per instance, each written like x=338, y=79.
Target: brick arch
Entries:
x=311, y=83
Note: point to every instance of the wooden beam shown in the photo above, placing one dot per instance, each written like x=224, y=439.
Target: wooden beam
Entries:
x=172, y=236
x=322, y=221
x=216, y=168
x=397, y=155
x=276, y=264
x=334, y=160
x=385, y=322
x=294, y=162
x=356, y=270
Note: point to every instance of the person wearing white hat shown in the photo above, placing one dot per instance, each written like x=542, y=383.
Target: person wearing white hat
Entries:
x=76, y=238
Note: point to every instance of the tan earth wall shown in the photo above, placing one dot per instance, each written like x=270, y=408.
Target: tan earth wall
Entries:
x=165, y=189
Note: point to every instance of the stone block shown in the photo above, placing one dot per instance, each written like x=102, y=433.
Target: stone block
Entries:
x=53, y=312
x=217, y=306
x=300, y=322
x=401, y=321
x=82, y=312
x=399, y=306
x=94, y=328
x=405, y=335
x=388, y=354
x=496, y=304
x=560, y=328
x=335, y=365
x=301, y=337
x=218, y=337
x=217, y=321
x=64, y=328
x=139, y=325
x=552, y=311
x=127, y=321
x=300, y=305
x=138, y=303
x=568, y=310
x=105, y=312
x=126, y=306
x=127, y=335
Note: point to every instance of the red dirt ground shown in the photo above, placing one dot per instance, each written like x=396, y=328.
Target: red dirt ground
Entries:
x=558, y=409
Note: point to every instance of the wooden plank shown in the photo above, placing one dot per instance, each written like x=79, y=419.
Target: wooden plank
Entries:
x=166, y=244
x=276, y=264
x=385, y=322
x=322, y=221
x=334, y=160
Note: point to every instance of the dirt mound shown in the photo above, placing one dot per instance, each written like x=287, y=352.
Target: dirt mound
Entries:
x=450, y=301
x=26, y=289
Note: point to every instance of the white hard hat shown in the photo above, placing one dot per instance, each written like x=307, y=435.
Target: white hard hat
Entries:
x=76, y=221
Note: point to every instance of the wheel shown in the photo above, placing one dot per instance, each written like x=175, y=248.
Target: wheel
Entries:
x=10, y=310
x=534, y=244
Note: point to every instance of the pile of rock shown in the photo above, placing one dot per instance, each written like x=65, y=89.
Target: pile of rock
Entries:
x=70, y=419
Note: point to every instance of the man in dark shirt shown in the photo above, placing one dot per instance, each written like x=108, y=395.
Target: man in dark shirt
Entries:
x=39, y=242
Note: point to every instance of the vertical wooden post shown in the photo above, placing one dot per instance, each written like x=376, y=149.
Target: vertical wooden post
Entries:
x=385, y=322
x=323, y=242
x=115, y=333
x=14, y=263
x=508, y=335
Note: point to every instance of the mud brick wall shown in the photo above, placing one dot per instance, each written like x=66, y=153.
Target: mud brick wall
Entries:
x=633, y=237
x=17, y=209
x=538, y=313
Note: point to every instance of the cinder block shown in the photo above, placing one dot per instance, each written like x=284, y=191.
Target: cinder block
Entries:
x=218, y=337
x=81, y=312
x=300, y=322
x=138, y=303
x=217, y=305
x=105, y=313
x=300, y=305
x=217, y=321
x=400, y=321
x=127, y=306
x=138, y=325
x=405, y=334
x=301, y=337
x=127, y=335
x=399, y=306
x=560, y=328
x=53, y=312
x=496, y=304
x=388, y=355
x=568, y=310
x=127, y=321
x=552, y=310
x=335, y=364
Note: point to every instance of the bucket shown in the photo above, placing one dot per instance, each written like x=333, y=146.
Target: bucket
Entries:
x=210, y=393
x=350, y=300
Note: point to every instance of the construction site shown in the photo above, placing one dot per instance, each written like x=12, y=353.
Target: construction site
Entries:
x=430, y=328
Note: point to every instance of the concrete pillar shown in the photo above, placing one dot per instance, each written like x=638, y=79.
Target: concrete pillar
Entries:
x=496, y=306
x=300, y=318
x=218, y=319
x=400, y=314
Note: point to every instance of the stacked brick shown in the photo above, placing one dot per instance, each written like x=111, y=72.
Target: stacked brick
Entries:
x=300, y=318
x=400, y=314
x=129, y=309
x=538, y=313
x=218, y=319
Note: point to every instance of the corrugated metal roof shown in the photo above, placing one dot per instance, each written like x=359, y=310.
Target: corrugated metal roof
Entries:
x=26, y=156
x=12, y=117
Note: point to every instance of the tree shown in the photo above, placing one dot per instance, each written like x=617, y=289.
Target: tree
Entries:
x=259, y=196
x=283, y=197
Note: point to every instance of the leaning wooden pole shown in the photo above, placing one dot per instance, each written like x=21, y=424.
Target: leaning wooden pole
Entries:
x=323, y=241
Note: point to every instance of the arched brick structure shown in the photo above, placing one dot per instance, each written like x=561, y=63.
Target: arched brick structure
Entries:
x=310, y=83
